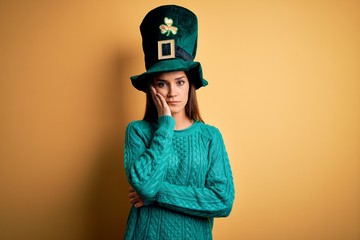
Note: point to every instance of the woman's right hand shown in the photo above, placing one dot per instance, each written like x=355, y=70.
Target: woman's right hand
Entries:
x=160, y=103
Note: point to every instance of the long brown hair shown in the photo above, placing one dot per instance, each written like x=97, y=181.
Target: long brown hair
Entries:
x=191, y=107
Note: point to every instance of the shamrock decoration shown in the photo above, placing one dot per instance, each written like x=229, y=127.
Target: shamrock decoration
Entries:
x=168, y=28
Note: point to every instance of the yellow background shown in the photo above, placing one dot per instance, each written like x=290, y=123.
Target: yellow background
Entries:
x=284, y=89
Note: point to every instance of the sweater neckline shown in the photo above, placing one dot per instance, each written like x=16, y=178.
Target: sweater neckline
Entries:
x=187, y=129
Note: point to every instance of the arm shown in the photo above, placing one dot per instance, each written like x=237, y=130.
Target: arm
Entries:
x=145, y=167
x=215, y=199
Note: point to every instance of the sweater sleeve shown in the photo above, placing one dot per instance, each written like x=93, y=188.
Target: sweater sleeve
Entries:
x=215, y=199
x=145, y=163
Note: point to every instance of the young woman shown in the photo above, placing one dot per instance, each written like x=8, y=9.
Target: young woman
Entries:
x=176, y=164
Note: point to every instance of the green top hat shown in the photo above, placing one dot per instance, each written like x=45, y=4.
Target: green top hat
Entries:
x=169, y=35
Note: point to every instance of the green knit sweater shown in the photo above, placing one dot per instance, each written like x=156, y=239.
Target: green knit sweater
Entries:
x=183, y=176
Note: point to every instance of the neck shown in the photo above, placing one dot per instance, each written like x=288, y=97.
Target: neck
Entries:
x=182, y=121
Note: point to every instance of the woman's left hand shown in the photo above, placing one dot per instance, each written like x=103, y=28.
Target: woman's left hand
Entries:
x=135, y=199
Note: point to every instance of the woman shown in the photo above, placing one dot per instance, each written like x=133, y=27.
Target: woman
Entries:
x=176, y=164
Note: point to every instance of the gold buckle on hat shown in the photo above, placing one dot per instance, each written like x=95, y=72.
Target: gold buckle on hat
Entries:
x=160, y=49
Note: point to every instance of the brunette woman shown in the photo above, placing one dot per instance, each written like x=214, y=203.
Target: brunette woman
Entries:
x=177, y=165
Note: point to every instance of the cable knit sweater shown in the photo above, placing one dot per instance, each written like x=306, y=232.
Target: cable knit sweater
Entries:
x=183, y=176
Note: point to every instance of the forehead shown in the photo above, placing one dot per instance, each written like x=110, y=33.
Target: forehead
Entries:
x=169, y=76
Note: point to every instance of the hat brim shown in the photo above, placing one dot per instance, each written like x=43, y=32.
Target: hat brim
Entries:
x=141, y=82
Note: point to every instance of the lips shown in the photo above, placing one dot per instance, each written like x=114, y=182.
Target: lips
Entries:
x=173, y=102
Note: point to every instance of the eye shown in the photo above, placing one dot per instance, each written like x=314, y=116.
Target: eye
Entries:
x=160, y=84
x=181, y=82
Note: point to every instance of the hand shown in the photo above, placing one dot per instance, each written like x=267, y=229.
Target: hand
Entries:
x=135, y=199
x=160, y=103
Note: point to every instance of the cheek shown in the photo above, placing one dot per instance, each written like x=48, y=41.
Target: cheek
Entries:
x=185, y=95
x=162, y=91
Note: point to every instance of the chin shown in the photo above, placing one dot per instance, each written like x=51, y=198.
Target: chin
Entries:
x=176, y=110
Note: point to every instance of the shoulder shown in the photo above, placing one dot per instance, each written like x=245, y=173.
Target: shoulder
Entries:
x=209, y=131
x=139, y=127
x=139, y=124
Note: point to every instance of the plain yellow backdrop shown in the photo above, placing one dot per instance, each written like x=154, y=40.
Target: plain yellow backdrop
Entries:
x=284, y=89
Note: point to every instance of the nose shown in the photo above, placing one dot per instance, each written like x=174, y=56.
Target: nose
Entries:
x=172, y=91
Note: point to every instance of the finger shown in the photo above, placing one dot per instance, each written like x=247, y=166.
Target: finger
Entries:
x=162, y=99
x=134, y=200
x=155, y=97
x=153, y=92
x=164, y=105
x=160, y=103
x=152, y=88
x=139, y=204
x=134, y=195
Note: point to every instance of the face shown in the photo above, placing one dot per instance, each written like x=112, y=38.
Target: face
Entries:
x=174, y=87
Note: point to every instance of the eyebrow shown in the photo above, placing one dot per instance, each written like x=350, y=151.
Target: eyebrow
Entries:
x=160, y=80
x=179, y=78
x=163, y=80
